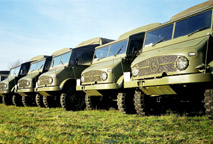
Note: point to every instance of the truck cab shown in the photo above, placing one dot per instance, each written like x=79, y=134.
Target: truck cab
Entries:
x=25, y=94
x=103, y=80
x=7, y=86
x=3, y=76
x=175, y=67
x=57, y=86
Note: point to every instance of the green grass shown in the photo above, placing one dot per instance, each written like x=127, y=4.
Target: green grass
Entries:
x=40, y=125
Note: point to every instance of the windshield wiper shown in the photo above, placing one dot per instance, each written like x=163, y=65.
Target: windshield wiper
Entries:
x=119, y=50
x=197, y=30
x=163, y=38
x=41, y=66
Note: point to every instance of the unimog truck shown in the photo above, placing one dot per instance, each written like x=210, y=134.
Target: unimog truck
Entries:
x=7, y=86
x=25, y=94
x=175, y=68
x=103, y=80
x=3, y=76
x=57, y=86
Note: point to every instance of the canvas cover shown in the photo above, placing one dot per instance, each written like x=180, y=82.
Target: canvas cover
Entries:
x=192, y=9
x=38, y=58
x=138, y=30
x=93, y=41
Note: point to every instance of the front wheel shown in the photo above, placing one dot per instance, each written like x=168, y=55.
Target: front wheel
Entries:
x=7, y=100
x=94, y=102
x=73, y=100
x=140, y=103
x=208, y=99
x=28, y=100
x=125, y=103
x=17, y=100
x=39, y=100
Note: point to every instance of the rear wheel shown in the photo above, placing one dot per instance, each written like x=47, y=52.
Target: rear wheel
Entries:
x=17, y=100
x=73, y=100
x=7, y=100
x=39, y=100
x=208, y=99
x=125, y=103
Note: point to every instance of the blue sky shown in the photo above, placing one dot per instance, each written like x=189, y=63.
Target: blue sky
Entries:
x=34, y=27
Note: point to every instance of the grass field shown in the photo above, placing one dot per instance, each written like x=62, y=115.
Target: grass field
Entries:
x=40, y=125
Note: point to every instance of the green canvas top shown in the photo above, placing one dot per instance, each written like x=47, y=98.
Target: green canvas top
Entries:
x=93, y=41
x=38, y=58
x=61, y=51
x=138, y=30
x=206, y=4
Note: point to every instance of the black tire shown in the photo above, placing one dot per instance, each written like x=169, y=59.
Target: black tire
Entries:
x=73, y=100
x=139, y=102
x=0, y=99
x=125, y=103
x=7, y=100
x=208, y=99
x=39, y=100
x=49, y=101
x=93, y=102
x=17, y=100
x=28, y=100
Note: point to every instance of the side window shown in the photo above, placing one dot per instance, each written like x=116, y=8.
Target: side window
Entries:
x=85, y=59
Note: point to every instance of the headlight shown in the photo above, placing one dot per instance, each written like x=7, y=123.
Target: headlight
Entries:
x=82, y=79
x=18, y=84
x=39, y=82
x=28, y=83
x=50, y=80
x=135, y=71
x=182, y=63
x=104, y=76
x=5, y=85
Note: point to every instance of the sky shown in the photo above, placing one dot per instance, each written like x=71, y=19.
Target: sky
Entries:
x=29, y=28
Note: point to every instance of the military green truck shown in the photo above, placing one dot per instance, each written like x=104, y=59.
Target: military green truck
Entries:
x=24, y=91
x=3, y=76
x=57, y=86
x=7, y=86
x=103, y=80
x=176, y=64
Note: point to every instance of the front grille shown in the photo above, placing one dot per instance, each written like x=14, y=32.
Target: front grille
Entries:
x=92, y=76
x=2, y=85
x=44, y=80
x=157, y=65
x=22, y=83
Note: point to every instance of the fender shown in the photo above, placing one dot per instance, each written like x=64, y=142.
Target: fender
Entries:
x=66, y=81
x=120, y=82
x=13, y=89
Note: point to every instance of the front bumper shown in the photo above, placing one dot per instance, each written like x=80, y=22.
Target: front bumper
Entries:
x=44, y=90
x=97, y=87
x=170, y=80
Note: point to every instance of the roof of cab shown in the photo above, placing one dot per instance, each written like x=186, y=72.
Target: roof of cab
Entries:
x=138, y=30
x=38, y=57
x=93, y=41
x=4, y=72
x=61, y=51
x=206, y=4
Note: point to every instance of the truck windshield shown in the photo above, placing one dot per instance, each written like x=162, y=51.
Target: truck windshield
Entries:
x=36, y=66
x=111, y=50
x=159, y=35
x=61, y=59
x=193, y=24
x=14, y=71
